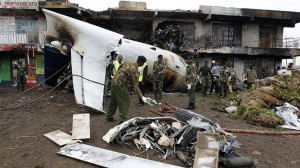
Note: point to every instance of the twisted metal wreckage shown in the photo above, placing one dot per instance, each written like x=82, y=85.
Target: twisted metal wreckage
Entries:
x=91, y=49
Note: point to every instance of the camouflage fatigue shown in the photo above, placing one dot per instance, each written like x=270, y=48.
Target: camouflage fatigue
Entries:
x=21, y=76
x=224, y=76
x=191, y=94
x=191, y=74
x=158, y=79
x=232, y=83
x=205, y=73
x=251, y=76
x=191, y=78
x=127, y=74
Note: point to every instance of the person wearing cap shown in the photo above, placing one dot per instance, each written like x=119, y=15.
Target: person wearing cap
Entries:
x=250, y=77
x=116, y=64
x=205, y=74
x=159, y=68
x=128, y=73
x=143, y=70
x=213, y=63
x=191, y=80
x=224, y=79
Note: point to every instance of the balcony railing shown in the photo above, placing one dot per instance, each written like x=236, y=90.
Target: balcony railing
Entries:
x=287, y=42
x=233, y=42
x=23, y=38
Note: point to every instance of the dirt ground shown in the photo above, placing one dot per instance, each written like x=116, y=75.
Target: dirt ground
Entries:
x=22, y=129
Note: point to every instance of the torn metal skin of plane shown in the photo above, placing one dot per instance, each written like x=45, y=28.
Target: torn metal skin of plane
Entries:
x=90, y=48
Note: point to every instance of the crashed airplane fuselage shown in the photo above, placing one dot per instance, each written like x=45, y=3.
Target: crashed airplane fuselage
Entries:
x=90, y=48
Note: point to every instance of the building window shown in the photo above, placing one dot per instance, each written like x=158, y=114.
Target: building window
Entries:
x=226, y=35
x=267, y=36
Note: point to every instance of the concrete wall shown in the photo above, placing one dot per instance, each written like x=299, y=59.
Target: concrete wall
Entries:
x=279, y=34
x=250, y=35
x=239, y=68
x=202, y=30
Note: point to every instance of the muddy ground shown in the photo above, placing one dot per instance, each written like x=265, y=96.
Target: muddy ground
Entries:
x=20, y=127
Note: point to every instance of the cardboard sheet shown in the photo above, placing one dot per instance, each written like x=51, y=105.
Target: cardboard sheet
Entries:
x=61, y=138
x=81, y=126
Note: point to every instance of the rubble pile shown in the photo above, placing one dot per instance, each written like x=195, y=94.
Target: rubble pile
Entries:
x=173, y=137
x=257, y=106
x=169, y=37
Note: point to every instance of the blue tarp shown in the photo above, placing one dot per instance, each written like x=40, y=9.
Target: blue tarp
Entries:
x=54, y=61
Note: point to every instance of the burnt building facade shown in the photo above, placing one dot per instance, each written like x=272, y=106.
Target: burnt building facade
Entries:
x=238, y=36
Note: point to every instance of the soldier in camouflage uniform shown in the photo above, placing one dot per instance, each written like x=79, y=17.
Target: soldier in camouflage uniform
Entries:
x=233, y=79
x=159, y=68
x=127, y=73
x=191, y=80
x=21, y=76
x=224, y=79
x=205, y=75
x=250, y=76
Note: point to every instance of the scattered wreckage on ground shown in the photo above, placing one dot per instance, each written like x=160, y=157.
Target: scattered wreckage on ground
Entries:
x=193, y=138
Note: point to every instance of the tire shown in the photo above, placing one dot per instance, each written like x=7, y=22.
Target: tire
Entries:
x=185, y=115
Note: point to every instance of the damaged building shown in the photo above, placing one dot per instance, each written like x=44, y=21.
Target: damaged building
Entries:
x=238, y=36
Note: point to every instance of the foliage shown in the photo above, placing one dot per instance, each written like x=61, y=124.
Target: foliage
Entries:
x=242, y=109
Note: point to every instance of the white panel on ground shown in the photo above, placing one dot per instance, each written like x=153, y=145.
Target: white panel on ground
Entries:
x=81, y=126
x=61, y=138
x=106, y=158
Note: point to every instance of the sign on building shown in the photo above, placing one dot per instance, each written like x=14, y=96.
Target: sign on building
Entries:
x=20, y=4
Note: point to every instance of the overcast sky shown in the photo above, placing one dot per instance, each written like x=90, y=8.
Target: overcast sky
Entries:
x=283, y=5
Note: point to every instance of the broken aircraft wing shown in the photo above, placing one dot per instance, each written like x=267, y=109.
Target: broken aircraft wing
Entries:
x=90, y=48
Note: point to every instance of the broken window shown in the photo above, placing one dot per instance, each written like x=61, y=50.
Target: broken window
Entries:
x=267, y=36
x=226, y=35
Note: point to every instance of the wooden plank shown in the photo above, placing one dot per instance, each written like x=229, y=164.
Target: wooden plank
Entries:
x=81, y=126
x=106, y=158
x=61, y=138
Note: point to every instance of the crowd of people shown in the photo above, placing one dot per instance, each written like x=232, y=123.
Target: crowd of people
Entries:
x=221, y=80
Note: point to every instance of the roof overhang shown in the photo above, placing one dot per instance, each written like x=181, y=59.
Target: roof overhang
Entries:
x=253, y=51
x=285, y=18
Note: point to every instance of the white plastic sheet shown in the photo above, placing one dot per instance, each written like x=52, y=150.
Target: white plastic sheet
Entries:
x=287, y=111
